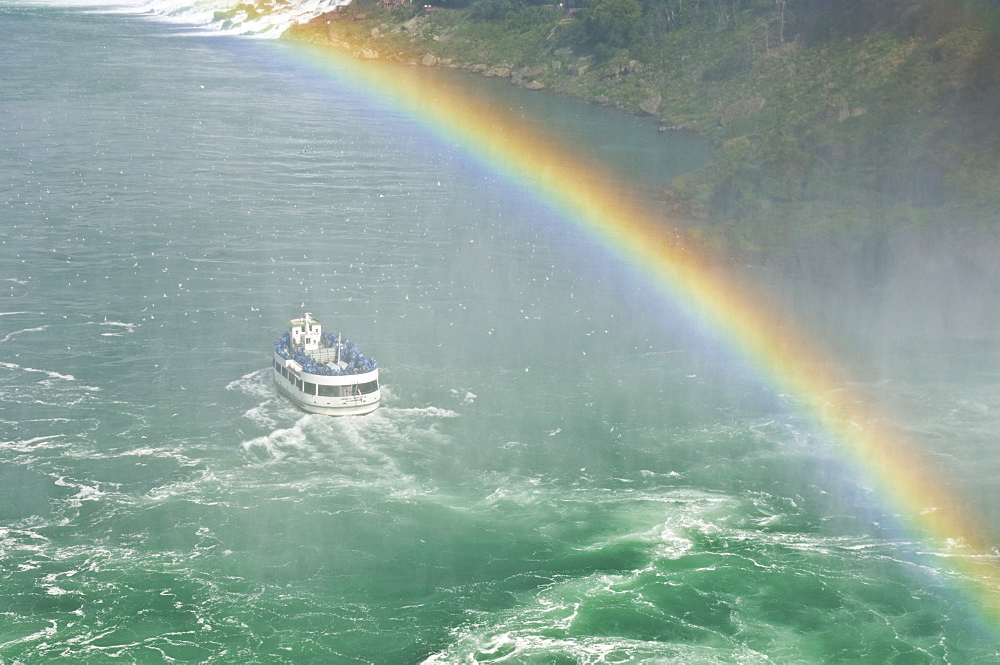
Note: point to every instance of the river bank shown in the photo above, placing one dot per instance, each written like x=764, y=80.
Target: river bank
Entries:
x=862, y=164
x=901, y=122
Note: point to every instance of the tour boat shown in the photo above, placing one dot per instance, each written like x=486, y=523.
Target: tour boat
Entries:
x=324, y=373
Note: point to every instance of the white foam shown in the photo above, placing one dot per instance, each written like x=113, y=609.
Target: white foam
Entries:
x=371, y=452
x=261, y=416
x=36, y=443
x=271, y=410
x=416, y=413
x=44, y=633
x=122, y=328
x=275, y=446
x=84, y=492
x=14, y=334
x=163, y=453
x=50, y=374
x=468, y=398
x=270, y=24
x=515, y=644
x=255, y=383
x=666, y=525
x=276, y=18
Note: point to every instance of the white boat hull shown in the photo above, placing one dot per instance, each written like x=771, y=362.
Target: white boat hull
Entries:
x=337, y=395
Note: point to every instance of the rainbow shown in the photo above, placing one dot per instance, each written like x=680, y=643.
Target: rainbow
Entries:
x=784, y=357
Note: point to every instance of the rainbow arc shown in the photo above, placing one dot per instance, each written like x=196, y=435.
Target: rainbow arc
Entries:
x=784, y=357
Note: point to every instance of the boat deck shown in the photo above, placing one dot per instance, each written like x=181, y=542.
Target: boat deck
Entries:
x=324, y=355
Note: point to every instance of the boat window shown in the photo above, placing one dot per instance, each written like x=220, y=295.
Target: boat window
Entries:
x=370, y=387
x=329, y=391
x=310, y=388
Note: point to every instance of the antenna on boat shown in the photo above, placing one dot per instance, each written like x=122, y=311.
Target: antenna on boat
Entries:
x=340, y=336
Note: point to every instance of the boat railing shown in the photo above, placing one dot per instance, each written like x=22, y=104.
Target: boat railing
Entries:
x=324, y=355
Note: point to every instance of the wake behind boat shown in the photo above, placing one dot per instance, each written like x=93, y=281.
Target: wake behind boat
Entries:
x=324, y=373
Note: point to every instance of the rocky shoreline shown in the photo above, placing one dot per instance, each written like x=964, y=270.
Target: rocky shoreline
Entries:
x=406, y=43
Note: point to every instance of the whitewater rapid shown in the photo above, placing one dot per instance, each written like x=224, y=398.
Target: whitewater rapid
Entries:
x=265, y=19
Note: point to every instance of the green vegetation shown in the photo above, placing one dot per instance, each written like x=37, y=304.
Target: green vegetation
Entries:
x=838, y=123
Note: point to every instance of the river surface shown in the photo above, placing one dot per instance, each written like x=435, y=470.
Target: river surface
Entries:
x=557, y=475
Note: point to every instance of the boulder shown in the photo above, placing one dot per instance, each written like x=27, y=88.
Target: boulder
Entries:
x=527, y=75
x=429, y=60
x=838, y=109
x=651, y=104
x=611, y=71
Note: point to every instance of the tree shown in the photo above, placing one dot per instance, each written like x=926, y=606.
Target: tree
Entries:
x=615, y=23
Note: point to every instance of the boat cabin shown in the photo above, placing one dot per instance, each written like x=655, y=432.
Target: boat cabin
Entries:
x=306, y=332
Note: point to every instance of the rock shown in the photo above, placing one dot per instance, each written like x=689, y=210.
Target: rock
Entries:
x=338, y=43
x=376, y=33
x=742, y=108
x=577, y=70
x=534, y=72
x=322, y=19
x=479, y=68
x=651, y=104
x=367, y=54
x=838, y=109
x=622, y=68
x=534, y=85
x=527, y=75
x=500, y=71
x=556, y=64
x=429, y=60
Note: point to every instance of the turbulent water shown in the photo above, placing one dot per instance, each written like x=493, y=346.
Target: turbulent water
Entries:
x=559, y=474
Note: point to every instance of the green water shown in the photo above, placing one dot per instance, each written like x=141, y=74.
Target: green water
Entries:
x=561, y=472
